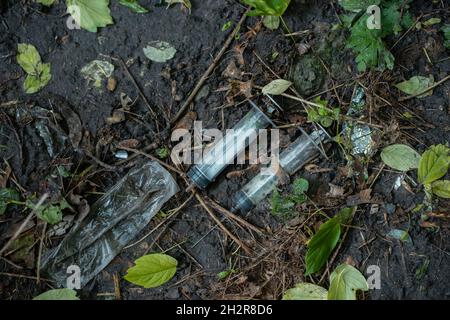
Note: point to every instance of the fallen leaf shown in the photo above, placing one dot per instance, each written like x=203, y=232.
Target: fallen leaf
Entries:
x=276, y=87
x=417, y=85
x=159, y=51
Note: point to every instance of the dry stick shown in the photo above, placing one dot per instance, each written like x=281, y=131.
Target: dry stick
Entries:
x=168, y=166
x=426, y=90
x=176, y=210
x=295, y=98
x=220, y=224
x=210, y=69
x=14, y=275
x=231, y=215
x=41, y=245
x=143, y=97
x=24, y=223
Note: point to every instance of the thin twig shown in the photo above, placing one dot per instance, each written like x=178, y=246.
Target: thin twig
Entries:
x=24, y=223
x=210, y=69
x=220, y=224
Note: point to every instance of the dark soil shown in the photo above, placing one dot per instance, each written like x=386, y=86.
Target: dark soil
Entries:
x=194, y=239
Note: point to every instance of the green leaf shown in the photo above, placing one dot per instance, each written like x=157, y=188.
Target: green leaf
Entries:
x=51, y=214
x=416, y=85
x=28, y=58
x=369, y=47
x=434, y=164
x=163, y=152
x=267, y=7
x=276, y=87
x=398, y=234
x=357, y=5
x=306, y=291
x=38, y=74
x=400, y=157
x=281, y=207
x=344, y=281
x=321, y=245
x=34, y=83
x=271, y=22
x=90, y=14
x=47, y=3
x=431, y=22
x=227, y=25
x=133, y=5
x=159, y=51
x=441, y=188
x=6, y=196
x=300, y=186
x=58, y=294
x=152, y=270
x=324, y=241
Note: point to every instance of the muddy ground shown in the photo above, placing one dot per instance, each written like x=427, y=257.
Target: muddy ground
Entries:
x=416, y=270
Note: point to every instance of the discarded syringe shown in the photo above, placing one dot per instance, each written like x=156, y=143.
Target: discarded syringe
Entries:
x=224, y=151
x=295, y=156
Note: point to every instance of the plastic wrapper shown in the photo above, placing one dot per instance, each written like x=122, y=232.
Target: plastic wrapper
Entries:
x=115, y=219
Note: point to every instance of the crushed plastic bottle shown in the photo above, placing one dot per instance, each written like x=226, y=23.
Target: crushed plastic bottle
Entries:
x=295, y=156
x=115, y=219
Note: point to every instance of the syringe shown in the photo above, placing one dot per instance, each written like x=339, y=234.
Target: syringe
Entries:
x=226, y=149
x=295, y=156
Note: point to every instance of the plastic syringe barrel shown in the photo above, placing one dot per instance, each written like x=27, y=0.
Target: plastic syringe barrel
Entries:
x=296, y=155
x=226, y=149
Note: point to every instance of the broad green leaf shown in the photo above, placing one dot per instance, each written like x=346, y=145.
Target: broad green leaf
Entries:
x=434, y=164
x=321, y=245
x=152, y=270
x=47, y=3
x=58, y=294
x=38, y=73
x=276, y=87
x=28, y=58
x=267, y=7
x=51, y=214
x=33, y=84
x=345, y=280
x=398, y=234
x=133, y=5
x=357, y=5
x=431, y=22
x=400, y=157
x=441, y=188
x=96, y=71
x=324, y=241
x=90, y=14
x=306, y=291
x=416, y=85
x=271, y=22
x=159, y=51
x=6, y=196
x=300, y=186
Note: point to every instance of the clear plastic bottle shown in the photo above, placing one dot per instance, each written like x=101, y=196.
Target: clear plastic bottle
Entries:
x=226, y=149
x=295, y=156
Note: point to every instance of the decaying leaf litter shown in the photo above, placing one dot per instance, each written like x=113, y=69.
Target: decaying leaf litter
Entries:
x=59, y=142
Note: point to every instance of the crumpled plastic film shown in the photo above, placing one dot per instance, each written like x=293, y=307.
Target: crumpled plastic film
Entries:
x=115, y=219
